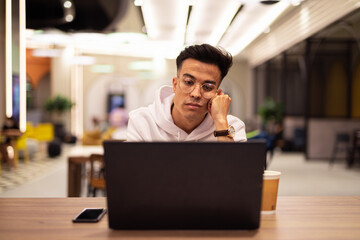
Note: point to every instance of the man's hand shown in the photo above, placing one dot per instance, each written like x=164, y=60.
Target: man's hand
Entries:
x=219, y=107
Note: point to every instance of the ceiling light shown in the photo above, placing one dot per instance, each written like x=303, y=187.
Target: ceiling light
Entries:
x=141, y=65
x=128, y=37
x=119, y=44
x=46, y=53
x=8, y=59
x=240, y=34
x=138, y=3
x=69, y=18
x=165, y=20
x=67, y=4
x=267, y=30
x=192, y=2
x=22, y=63
x=295, y=2
x=48, y=38
x=102, y=68
x=209, y=28
x=82, y=60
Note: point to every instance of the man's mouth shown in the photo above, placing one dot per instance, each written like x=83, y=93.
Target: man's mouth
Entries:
x=193, y=105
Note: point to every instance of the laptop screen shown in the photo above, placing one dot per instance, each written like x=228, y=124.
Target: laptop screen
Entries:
x=184, y=185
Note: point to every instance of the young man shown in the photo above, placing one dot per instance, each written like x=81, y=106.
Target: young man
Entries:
x=194, y=108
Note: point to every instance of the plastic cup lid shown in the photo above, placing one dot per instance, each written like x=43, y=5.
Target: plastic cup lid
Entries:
x=269, y=174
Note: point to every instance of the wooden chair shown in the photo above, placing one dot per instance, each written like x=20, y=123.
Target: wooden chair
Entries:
x=44, y=133
x=8, y=149
x=97, y=174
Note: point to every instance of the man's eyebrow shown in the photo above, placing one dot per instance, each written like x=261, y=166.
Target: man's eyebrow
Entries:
x=209, y=81
x=188, y=75
x=192, y=77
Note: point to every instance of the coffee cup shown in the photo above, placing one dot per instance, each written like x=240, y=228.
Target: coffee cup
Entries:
x=270, y=191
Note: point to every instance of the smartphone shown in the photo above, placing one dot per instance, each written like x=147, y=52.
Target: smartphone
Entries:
x=90, y=215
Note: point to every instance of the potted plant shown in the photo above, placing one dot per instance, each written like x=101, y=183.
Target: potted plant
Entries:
x=57, y=106
x=271, y=113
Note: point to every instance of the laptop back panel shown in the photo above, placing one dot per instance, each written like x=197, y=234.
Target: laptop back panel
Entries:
x=184, y=185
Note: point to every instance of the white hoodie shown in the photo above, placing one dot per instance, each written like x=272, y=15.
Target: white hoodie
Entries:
x=155, y=123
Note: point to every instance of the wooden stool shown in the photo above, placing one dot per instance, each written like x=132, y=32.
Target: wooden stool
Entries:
x=97, y=176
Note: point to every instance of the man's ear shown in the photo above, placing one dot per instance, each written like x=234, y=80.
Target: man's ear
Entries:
x=174, y=83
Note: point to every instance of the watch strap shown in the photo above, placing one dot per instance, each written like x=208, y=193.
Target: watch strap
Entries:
x=220, y=133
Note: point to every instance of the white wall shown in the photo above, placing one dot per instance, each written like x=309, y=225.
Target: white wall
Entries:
x=322, y=133
x=139, y=89
x=239, y=80
x=60, y=78
x=138, y=86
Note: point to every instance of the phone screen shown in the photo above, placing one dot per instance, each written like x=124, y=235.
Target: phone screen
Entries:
x=90, y=215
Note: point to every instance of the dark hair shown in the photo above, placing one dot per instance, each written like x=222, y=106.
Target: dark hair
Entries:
x=207, y=54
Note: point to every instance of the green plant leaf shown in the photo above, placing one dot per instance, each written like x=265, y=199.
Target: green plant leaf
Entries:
x=58, y=104
x=271, y=110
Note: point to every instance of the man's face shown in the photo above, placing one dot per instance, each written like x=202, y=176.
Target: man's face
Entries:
x=193, y=105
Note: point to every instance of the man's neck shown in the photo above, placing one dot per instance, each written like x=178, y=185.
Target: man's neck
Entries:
x=188, y=125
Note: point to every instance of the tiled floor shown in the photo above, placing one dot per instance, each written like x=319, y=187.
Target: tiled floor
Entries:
x=315, y=177
x=41, y=177
x=48, y=177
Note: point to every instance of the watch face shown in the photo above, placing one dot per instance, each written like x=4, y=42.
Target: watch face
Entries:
x=231, y=131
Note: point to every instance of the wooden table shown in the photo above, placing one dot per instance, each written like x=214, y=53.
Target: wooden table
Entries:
x=77, y=158
x=296, y=218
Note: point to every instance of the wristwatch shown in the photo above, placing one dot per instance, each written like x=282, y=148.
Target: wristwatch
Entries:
x=230, y=132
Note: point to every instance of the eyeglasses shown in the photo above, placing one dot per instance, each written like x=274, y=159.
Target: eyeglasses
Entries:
x=208, y=90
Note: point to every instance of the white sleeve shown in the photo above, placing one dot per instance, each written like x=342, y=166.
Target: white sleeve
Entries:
x=239, y=126
x=240, y=133
x=132, y=133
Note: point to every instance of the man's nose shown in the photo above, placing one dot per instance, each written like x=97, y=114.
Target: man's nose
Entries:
x=196, y=92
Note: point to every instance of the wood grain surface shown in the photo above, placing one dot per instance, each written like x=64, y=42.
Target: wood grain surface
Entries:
x=333, y=217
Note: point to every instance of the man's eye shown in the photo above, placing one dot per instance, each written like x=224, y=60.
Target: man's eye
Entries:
x=188, y=82
x=208, y=87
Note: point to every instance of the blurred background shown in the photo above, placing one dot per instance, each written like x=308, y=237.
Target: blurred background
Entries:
x=71, y=70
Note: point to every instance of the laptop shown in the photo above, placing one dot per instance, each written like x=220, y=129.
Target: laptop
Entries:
x=184, y=185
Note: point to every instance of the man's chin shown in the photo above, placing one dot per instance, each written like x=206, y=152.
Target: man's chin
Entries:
x=195, y=113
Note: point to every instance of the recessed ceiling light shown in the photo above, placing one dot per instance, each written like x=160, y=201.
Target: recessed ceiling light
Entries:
x=46, y=53
x=102, y=68
x=67, y=4
x=69, y=18
x=138, y=3
x=82, y=60
x=295, y=2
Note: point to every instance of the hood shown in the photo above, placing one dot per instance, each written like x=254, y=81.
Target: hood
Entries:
x=161, y=113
